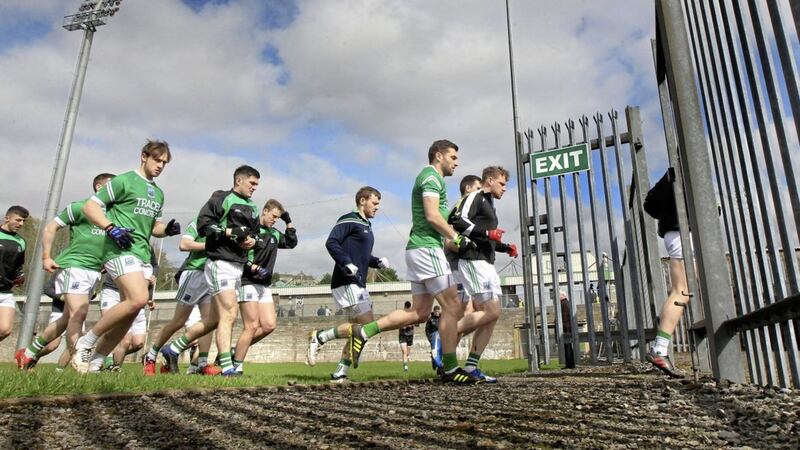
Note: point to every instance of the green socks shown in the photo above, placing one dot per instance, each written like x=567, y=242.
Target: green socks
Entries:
x=472, y=362
x=370, y=329
x=450, y=362
x=180, y=344
x=226, y=361
x=36, y=346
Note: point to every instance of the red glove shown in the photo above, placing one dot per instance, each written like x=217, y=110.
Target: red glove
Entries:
x=496, y=234
x=512, y=250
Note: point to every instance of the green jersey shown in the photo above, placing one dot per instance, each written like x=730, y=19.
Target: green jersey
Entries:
x=86, y=241
x=131, y=201
x=197, y=258
x=429, y=183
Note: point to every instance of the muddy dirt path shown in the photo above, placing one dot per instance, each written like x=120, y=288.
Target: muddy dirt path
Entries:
x=607, y=407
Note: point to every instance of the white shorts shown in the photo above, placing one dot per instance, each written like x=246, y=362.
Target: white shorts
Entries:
x=223, y=276
x=7, y=300
x=109, y=298
x=54, y=316
x=462, y=294
x=480, y=279
x=125, y=264
x=426, y=263
x=672, y=242
x=74, y=280
x=193, y=288
x=352, y=298
x=255, y=293
x=194, y=317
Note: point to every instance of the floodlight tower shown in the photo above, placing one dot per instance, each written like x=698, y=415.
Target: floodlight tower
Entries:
x=90, y=15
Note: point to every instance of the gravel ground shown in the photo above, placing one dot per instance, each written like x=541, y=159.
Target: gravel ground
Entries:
x=601, y=407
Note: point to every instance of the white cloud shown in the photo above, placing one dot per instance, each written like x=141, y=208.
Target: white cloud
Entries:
x=390, y=76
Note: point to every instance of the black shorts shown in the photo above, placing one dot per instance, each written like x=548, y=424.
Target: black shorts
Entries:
x=407, y=339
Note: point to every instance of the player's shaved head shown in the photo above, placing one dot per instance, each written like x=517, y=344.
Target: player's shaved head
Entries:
x=245, y=171
x=100, y=178
x=366, y=192
x=18, y=210
x=468, y=181
x=440, y=146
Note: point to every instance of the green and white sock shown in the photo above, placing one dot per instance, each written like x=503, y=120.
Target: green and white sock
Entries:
x=202, y=359
x=330, y=334
x=370, y=329
x=108, y=361
x=450, y=362
x=238, y=365
x=226, y=361
x=342, y=367
x=180, y=344
x=661, y=347
x=152, y=354
x=36, y=346
x=472, y=362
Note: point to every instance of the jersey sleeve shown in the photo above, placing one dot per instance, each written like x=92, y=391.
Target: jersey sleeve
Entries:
x=288, y=239
x=109, y=193
x=210, y=215
x=191, y=231
x=462, y=216
x=432, y=187
x=334, y=243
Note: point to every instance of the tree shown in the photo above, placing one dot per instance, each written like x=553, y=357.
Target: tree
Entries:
x=385, y=275
x=326, y=279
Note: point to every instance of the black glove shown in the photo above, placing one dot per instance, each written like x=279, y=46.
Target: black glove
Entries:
x=285, y=217
x=172, y=228
x=121, y=236
x=239, y=234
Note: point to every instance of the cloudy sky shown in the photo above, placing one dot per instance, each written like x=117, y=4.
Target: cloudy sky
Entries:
x=321, y=96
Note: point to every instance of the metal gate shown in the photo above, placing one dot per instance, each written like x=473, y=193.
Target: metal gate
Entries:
x=586, y=235
x=740, y=56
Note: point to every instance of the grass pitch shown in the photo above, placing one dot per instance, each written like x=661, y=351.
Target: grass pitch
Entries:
x=45, y=380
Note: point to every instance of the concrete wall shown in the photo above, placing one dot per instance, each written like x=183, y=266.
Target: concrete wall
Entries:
x=289, y=342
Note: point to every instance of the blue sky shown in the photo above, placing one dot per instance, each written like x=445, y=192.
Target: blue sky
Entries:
x=323, y=97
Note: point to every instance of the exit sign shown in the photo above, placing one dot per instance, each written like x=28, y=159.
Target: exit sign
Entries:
x=560, y=161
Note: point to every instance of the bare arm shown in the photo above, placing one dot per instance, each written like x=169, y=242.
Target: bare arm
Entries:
x=190, y=245
x=159, y=229
x=435, y=218
x=96, y=215
x=48, y=236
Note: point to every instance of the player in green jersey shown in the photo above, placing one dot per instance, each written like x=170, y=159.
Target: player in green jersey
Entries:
x=228, y=220
x=12, y=258
x=77, y=271
x=428, y=269
x=192, y=291
x=134, y=204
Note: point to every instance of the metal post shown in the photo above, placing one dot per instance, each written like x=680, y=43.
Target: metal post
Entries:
x=562, y=188
x=622, y=300
x=522, y=195
x=35, y=272
x=587, y=298
x=544, y=341
x=599, y=260
x=726, y=360
x=558, y=322
x=641, y=187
